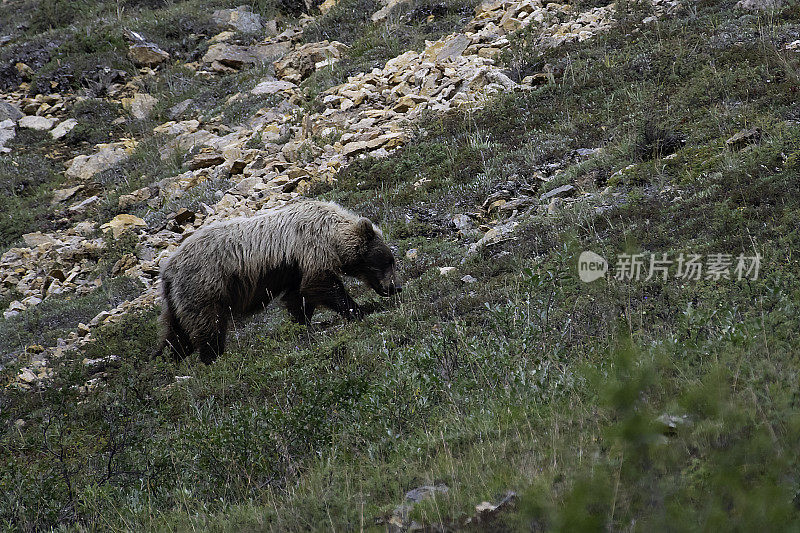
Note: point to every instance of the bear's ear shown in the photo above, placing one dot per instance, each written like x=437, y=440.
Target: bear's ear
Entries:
x=365, y=230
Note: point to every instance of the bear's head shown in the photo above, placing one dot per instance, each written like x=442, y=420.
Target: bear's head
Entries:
x=372, y=262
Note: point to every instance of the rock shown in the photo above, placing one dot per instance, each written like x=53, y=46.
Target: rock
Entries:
x=272, y=87
x=63, y=128
x=183, y=216
x=743, y=138
x=448, y=48
x=37, y=239
x=27, y=376
x=31, y=301
x=759, y=5
x=486, y=511
x=205, y=160
x=94, y=366
x=140, y=106
x=389, y=140
x=669, y=424
x=407, y=102
x=80, y=207
x=554, y=205
x=234, y=56
x=82, y=330
x=327, y=5
x=179, y=108
x=518, y=203
x=463, y=223
x=24, y=70
x=412, y=254
x=9, y=111
x=124, y=263
x=14, y=308
x=36, y=123
x=7, y=132
x=300, y=63
x=562, y=191
x=468, y=279
x=121, y=223
x=384, y=12
x=446, y=271
x=427, y=491
x=84, y=167
x=137, y=196
x=586, y=152
x=144, y=53
x=357, y=147
x=240, y=19
x=496, y=235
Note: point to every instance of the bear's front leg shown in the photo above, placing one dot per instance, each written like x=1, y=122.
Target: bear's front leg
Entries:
x=298, y=307
x=327, y=289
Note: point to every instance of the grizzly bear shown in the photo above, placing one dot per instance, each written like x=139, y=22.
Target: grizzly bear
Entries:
x=296, y=253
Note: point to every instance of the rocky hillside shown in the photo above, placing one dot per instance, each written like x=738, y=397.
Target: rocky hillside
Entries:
x=494, y=142
x=276, y=154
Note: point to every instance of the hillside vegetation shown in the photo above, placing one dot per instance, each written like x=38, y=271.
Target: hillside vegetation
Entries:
x=502, y=394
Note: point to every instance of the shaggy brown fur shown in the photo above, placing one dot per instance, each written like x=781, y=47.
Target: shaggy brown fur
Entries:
x=297, y=252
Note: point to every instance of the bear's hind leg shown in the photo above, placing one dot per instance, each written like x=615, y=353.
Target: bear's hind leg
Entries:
x=174, y=339
x=209, y=329
x=178, y=345
x=212, y=347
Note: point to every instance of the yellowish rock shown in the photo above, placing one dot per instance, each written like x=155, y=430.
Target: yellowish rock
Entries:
x=121, y=223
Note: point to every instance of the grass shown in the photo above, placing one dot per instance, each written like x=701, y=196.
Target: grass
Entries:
x=27, y=185
x=526, y=380
x=57, y=316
